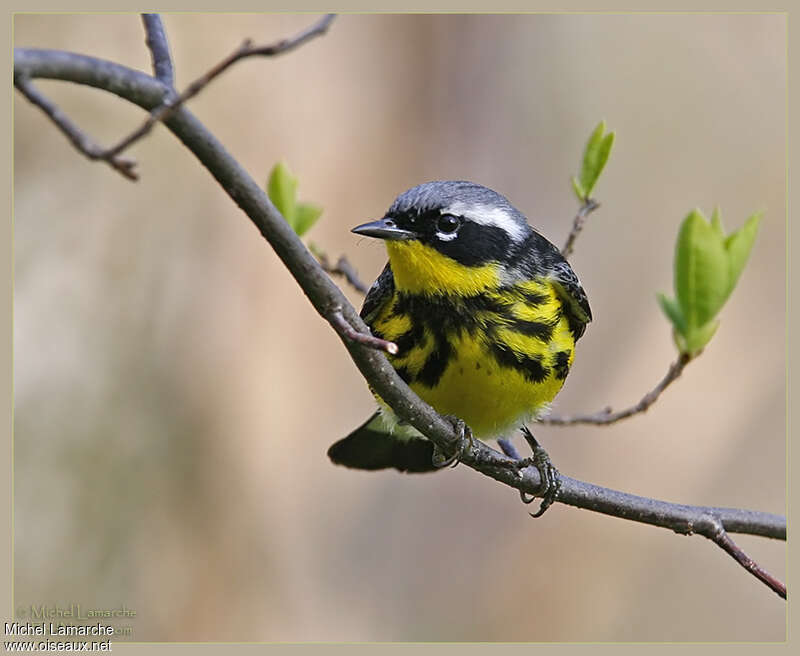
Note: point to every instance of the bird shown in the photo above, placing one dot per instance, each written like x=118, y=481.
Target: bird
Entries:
x=484, y=311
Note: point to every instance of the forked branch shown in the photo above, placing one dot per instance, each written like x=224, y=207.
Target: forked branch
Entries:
x=247, y=49
x=82, y=141
x=342, y=268
x=162, y=63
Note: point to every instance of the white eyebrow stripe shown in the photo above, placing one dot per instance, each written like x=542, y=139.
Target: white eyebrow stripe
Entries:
x=488, y=216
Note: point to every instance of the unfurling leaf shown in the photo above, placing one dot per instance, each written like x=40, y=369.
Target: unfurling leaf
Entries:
x=306, y=215
x=716, y=223
x=701, y=270
x=595, y=157
x=738, y=245
x=282, y=191
x=673, y=311
x=580, y=192
x=707, y=267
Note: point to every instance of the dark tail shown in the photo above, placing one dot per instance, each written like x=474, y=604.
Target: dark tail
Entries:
x=370, y=447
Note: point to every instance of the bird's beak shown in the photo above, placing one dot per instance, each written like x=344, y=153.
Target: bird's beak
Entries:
x=383, y=229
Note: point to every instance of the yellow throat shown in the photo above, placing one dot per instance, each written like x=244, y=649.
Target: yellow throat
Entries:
x=420, y=269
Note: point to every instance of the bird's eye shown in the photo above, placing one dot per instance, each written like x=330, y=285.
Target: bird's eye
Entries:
x=447, y=224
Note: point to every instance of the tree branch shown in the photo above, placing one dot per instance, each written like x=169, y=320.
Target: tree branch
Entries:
x=82, y=141
x=608, y=416
x=712, y=523
x=324, y=295
x=156, y=40
x=715, y=532
x=341, y=268
x=247, y=49
x=337, y=320
x=589, y=206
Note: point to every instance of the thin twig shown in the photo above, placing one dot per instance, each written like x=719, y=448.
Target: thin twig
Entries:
x=712, y=523
x=708, y=524
x=286, y=45
x=78, y=137
x=342, y=327
x=589, y=206
x=247, y=49
x=156, y=40
x=608, y=416
x=342, y=268
x=714, y=530
x=324, y=295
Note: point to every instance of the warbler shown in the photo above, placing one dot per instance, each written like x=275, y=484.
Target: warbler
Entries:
x=485, y=313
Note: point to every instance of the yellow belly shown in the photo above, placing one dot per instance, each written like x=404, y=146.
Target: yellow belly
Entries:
x=491, y=398
x=476, y=385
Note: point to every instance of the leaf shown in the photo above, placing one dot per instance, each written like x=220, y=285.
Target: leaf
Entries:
x=590, y=155
x=701, y=271
x=578, y=189
x=282, y=190
x=707, y=266
x=598, y=149
x=306, y=215
x=698, y=337
x=673, y=311
x=604, y=152
x=738, y=246
x=680, y=341
x=716, y=223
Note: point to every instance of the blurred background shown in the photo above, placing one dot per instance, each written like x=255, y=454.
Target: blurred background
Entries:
x=176, y=392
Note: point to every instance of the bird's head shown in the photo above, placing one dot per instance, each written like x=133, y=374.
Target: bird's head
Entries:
x=449, y=237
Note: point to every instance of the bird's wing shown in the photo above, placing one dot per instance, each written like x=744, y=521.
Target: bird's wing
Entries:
x=378, y=295
x=569, y=290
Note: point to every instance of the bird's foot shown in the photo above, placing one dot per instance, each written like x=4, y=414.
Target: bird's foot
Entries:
x=463, y=443
x=551, y=479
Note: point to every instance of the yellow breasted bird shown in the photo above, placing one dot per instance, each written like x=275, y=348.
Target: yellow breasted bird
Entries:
x=485, y=313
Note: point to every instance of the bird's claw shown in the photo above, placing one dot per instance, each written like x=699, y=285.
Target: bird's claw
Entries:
x=464, y=443
x=551, y=480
